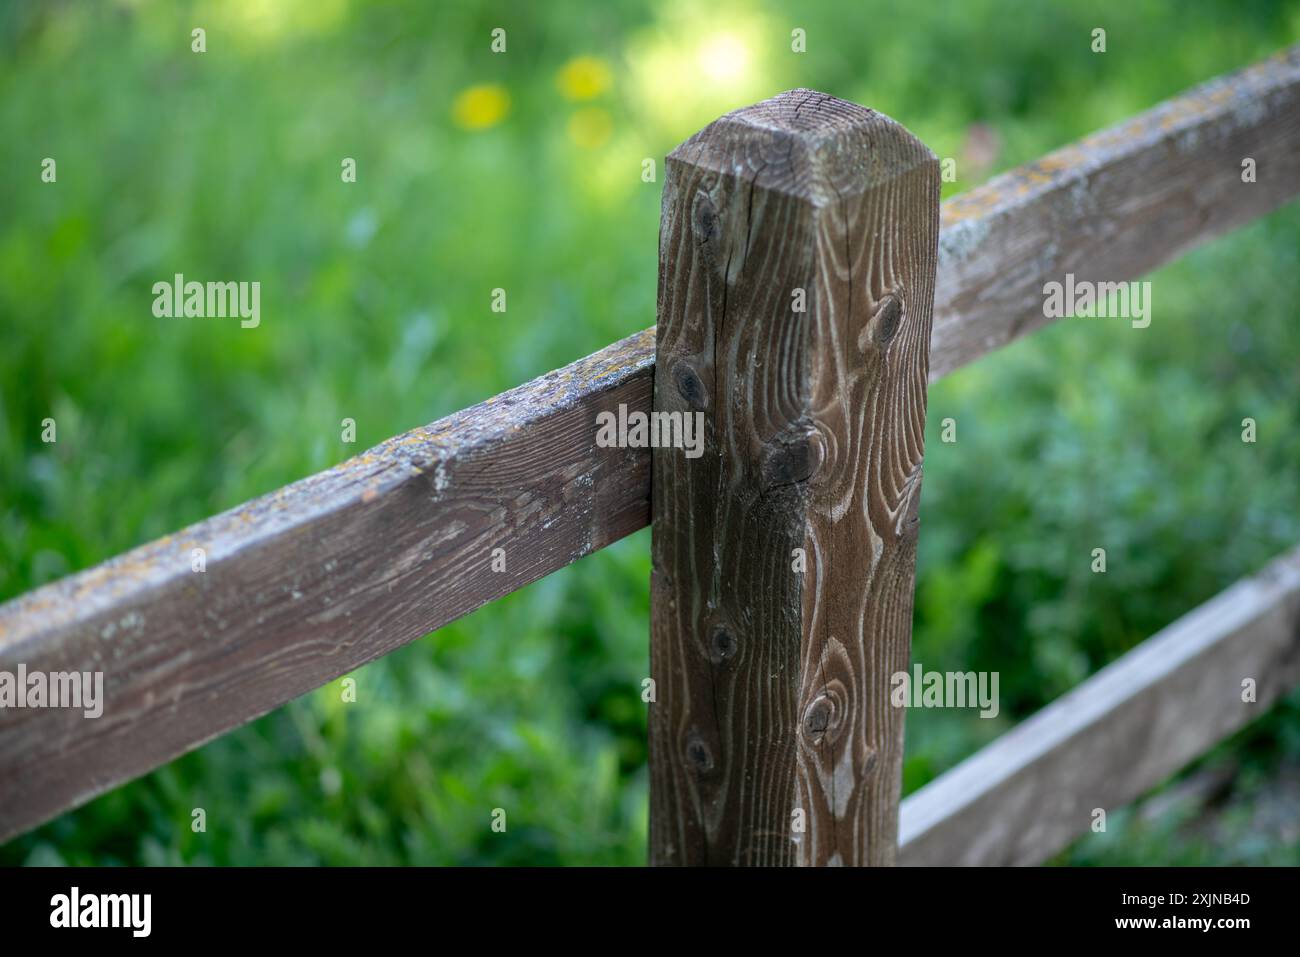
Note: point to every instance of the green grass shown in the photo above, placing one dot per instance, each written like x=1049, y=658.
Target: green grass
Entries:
x=376, y=306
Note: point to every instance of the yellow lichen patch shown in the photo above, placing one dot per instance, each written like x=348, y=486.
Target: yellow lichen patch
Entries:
x=1053, y=162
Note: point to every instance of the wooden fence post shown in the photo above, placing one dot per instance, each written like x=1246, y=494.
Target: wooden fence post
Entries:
x=797, y=256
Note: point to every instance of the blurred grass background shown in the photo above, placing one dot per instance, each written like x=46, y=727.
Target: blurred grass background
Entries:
x=523, y=171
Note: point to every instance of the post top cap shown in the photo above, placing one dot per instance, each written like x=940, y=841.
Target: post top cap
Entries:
x=807, y=144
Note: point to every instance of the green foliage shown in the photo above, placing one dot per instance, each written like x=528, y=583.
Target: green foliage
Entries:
x=375, y=305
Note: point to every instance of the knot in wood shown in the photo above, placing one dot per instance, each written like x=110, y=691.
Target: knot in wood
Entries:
x=824, y=716
x=704, y=218
x=889, y=316
x=884, y=322
x=698, y=754
x=818, y=718
x=689, y=386
x=791, y=457
x=722, y=645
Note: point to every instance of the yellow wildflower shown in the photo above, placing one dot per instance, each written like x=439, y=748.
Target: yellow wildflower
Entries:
x=584, y=78
x=480, y=107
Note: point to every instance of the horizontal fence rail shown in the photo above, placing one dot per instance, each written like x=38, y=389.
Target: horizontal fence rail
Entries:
x=1114, y=206
x=314, y=580
x=310, y=582
x=1024, y=797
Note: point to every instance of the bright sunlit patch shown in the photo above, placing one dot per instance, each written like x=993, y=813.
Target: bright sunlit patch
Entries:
x=724, y=58
x=268, y=20
x=700, y=61
x=481, y=107
x=584, y=78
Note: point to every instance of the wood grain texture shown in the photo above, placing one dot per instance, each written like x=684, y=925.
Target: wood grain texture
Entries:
x=772, y=681
x=1028, y=794
x=1130, y=198
x=1114, y=206
x=310, y=582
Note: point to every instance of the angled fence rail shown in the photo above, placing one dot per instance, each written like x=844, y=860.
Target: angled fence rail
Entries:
x=307, y=583
x=1120, y=733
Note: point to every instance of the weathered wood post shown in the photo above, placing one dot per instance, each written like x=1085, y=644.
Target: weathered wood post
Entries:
x=797, y=258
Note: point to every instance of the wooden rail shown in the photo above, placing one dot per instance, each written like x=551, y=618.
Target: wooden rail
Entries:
x=1025, y=796
x=314, y=580
x=308, y=583
x=1115, y=205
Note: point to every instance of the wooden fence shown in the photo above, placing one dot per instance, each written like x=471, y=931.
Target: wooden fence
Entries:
x=811, y=285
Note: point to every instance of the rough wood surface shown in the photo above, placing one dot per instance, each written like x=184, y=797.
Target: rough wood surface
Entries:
x=771, y=738
x=1032, y=791
x=310, y=582
x=1114, y=206
x=1171, y=177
